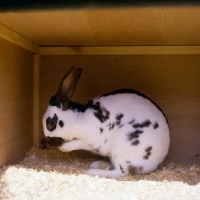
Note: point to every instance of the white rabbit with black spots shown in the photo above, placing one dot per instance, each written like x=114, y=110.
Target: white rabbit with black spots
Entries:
x=124, y=125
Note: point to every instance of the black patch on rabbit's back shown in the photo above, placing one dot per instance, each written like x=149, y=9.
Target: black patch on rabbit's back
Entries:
x=78, y=107
x=148, y=153
x=133, y=137
x=142, y=125
x=101, y=113
x=118, y=119
x=130, y=91
x=134, y=134
x=156, y=125
x=135, y=142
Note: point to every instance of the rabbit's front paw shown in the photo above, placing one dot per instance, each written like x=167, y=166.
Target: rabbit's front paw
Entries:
x=72, y=145
x=64, y=147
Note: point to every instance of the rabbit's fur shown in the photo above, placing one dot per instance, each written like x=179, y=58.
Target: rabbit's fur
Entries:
x=124, y=125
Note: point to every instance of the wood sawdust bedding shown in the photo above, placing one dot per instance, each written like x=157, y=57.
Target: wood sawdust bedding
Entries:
x=51, y=174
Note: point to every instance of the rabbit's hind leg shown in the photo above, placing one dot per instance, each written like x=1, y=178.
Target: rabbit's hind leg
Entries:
x=101, y=164
x=117, y=172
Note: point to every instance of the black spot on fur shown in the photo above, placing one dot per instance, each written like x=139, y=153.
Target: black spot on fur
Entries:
x=121, y=168
x=133, y=137
x=156, y=125
x=132, y=121
x=148, y=149
x=121, y=125
x=101, y=113
x=105, y=141
x=111, y=126
x=61, y=123
x=118, y=119
x=148, y=153
x=130, y=91
x=134, y=134
x=101, y=130
x=51, y=123
x=128, y=162
x=142, y=125
x=135, y=142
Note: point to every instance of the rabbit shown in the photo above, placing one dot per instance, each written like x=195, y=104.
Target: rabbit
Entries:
x=124, y=125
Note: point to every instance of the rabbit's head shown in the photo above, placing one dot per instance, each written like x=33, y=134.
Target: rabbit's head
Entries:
x=58, y=120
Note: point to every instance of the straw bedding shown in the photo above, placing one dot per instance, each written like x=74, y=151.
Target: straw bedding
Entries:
x=51, y=174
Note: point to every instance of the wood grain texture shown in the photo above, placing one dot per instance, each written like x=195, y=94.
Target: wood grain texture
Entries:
x=15, y=38
x=16, y=100
x=119, y=26
x=173, y=81
x=36, y=100
x=122, y=50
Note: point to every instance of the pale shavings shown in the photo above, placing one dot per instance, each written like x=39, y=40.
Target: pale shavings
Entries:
x=51, y=174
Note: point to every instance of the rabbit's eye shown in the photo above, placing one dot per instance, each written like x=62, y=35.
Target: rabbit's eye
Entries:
x=51, y=123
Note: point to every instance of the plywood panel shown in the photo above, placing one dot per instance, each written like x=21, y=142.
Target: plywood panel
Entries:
x=122, y=50
x=172, y=81
x=122, y=26
x=16, y=100
x=36, y=100
x=17, y=39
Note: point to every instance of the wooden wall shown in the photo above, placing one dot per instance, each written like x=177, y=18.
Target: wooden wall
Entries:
x=161, y=25
x=171, y=81
x=16, y=102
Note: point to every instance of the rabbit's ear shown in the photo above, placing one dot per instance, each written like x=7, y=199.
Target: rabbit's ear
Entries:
x=67, y=86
